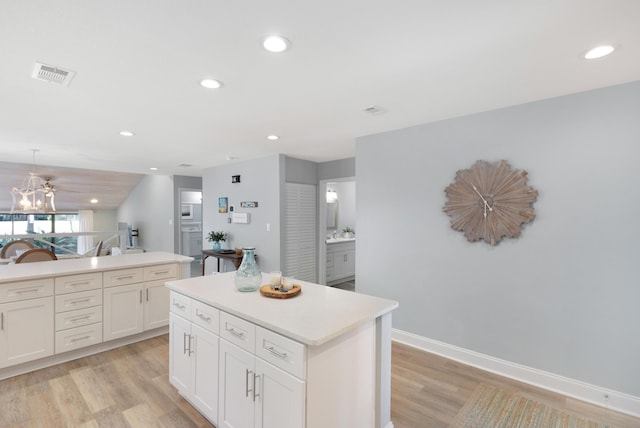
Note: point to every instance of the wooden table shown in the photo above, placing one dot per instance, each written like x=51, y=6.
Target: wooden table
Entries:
x=235, y=258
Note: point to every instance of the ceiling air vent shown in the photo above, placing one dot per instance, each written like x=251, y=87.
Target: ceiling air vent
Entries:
x=184, y=165
x=52, y=74
x=374, y=110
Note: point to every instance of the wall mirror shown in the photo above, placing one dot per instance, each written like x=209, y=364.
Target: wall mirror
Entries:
x=332, y=215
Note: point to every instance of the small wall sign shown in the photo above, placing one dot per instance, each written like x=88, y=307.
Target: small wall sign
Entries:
x=249, y=204
x=235, y=179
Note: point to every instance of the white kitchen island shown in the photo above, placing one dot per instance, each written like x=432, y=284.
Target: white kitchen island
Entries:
x=56, y=311
x=320, y=359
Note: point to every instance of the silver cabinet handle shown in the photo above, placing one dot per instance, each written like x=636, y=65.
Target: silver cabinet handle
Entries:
x=147, y=294
x=120, y=278
x=205, y=318
x=246, y=382
x=190, y=347
x=2, y=321
x=75, y=284
x=235, y=333
x=255, y=389
x=140, y=296
x=80, y=338
x=31, y=290
x=161, y=272
x=75, y=302
x=86, y=317
x=184, y=343
x=282, y=355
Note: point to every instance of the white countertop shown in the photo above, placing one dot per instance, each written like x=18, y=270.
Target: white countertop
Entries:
x=339, y=240
x=317, y=315
x=26, y=271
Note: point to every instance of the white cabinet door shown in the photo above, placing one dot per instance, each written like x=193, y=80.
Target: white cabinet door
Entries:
x=281, y=398
x=179, y=358
x=156, y=304
x=237, y=380
x=123, y=311
x=26, y=331
x=344, y=264
x=204, y=359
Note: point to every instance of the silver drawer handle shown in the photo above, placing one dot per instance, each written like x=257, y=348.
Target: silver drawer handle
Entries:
x=31, y=290
x=161, y=272
x=86, y=317
x=75, y=302
x=207, y=319
x=282, y=355
x=80, y=338
x=75, y=284
x=120, y=278
x=179, y=306
x=234, y=332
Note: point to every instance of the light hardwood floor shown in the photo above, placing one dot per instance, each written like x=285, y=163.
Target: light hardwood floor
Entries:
x=129, y=387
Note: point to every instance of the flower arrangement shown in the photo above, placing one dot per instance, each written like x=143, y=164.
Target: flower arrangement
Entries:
x=214, y=236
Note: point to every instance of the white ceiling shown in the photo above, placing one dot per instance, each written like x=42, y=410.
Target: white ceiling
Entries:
x=138, y=65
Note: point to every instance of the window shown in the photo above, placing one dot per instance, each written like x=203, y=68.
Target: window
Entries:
x=38, y=224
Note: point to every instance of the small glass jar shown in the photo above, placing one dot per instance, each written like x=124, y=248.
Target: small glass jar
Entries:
x=248, y=276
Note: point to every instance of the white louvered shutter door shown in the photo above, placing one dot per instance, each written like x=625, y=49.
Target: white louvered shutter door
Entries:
x=300, y=232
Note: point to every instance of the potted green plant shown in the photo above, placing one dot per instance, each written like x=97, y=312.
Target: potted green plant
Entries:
x=347, y=232
x=216, y=238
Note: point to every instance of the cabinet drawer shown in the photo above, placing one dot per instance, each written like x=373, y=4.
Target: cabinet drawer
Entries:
x=281, y=351
x=78, y=337
x=161, y=272
x=79, y=300
x=179, y=304
x=122, y=277
x=23, y=290
x=73, y=283
x=78, y=318
x=238, y=331
x=206, y=317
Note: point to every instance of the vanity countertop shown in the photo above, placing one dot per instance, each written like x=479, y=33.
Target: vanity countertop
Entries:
x=339, y=240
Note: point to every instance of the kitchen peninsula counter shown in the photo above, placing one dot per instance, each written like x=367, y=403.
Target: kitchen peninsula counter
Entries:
x=28, y=271
x=345, y=337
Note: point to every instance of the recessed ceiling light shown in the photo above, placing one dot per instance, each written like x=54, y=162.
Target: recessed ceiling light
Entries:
x=127, y=133
x=272, y=137
x=94, y=201
x=599, y=52
x=276, y=44
x=153, y=168
x=211, y=83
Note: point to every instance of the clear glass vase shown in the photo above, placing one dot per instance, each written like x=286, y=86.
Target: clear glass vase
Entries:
x=248, y=276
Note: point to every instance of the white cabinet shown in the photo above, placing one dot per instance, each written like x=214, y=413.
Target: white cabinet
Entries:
x=26, y=330
x=136, y=300
x=193, y=355
x=255, y=394
x=341, y=261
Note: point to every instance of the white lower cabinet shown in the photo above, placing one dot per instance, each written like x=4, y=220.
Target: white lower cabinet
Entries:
x=255, y=394
x=132, y=306
x=193, y=360
x=26, y=330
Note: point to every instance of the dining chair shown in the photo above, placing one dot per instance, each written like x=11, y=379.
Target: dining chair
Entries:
x=96, y=252
x=10, y=249
x=36, y=255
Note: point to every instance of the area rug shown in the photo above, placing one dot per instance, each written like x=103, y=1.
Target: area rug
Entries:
x=491, y=407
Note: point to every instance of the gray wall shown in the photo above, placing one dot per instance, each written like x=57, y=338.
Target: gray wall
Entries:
x=300, y=171
x=337, y=169
x=261, y=181
x=565, y=296
x=150, y=208
x=105, y=221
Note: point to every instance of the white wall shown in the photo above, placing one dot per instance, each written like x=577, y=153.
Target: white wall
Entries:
x=565, y=296
x=105, y=221
x=150, y=208
x=261, y=180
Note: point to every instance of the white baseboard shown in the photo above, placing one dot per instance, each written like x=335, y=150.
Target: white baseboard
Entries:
x=614, y=400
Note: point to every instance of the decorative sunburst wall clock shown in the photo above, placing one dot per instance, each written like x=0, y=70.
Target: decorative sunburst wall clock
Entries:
x=490, y=201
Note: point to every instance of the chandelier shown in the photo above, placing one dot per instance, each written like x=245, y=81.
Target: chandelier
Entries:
x=35, y=195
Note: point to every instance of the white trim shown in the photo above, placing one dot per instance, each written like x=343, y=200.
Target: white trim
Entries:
x=614, y=400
